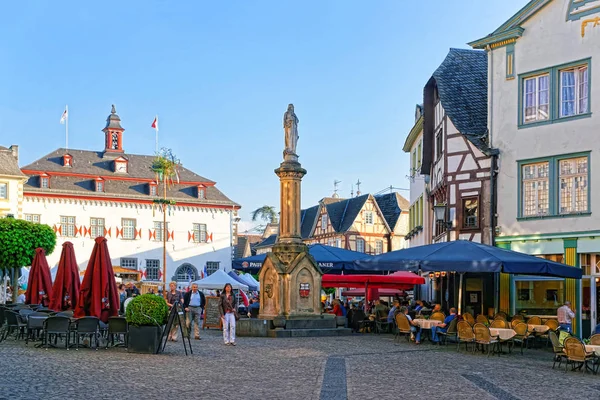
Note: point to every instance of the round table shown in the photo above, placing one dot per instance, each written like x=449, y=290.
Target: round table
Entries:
x=593, y=348
x=427, y=323
x=503, y=334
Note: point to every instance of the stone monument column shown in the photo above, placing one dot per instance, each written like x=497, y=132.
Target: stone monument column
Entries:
x=290, y=278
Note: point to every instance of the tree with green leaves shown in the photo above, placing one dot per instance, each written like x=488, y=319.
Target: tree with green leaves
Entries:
x=18, y=241
x=266, y=213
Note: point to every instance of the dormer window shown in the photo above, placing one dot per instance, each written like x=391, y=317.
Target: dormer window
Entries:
x=201, y=192
x=152, y=189
x=44, y=182
x=67, y=160
x=121, y=165
x=99, y=184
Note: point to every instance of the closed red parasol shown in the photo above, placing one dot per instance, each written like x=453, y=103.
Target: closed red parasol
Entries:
x=98, y=296
x=65, y=291
x=39, y=285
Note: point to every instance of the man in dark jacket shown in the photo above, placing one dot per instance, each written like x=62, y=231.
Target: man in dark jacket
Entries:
x=193, y=304
x=131, y=290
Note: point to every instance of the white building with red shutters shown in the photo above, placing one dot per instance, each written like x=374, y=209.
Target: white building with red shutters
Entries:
x=84, y=194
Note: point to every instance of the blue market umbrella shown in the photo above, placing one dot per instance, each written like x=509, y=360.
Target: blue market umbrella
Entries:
x=330, y=259
x=235, y=276
x=465, y=256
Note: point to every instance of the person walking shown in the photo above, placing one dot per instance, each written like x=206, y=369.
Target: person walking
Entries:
x=193, y=304
x=174, y=296
x=565, y=316
x=227, y=309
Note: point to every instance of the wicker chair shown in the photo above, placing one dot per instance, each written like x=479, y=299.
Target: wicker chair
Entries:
x=57, y=327
x=87, y=327
x=552, y=324
x=451, y=332
x=534, y=321
x=498, y=323
x=482, y=319
x=117, y=326
x=14, y=323
x=484, y=338
x=469, y=318
x=501, y=315
x=438, y=316
x=465, y=335
x=523, y=336
x=595, y=339
x=557, y=348
x=403, y=327
x=577, y=356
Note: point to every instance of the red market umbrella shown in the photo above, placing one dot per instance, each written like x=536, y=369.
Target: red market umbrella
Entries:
x=39, y=285
x=398, y=280
x=65, y=291
x=98, y=296
x=373, y=293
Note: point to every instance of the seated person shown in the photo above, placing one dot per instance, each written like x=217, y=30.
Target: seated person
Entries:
x=392, y=314
x=418, y=306
x=443, y=327
x=337, y=310
x=380, y=307
x=437, y=308
x=414, y=328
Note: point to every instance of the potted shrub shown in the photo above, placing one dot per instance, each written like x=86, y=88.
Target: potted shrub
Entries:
x=146, y=315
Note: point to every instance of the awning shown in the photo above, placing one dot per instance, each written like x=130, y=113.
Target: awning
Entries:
x=399, y=280
x=465, y=256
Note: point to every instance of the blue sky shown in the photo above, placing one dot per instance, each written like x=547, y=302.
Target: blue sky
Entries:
x=220, y=76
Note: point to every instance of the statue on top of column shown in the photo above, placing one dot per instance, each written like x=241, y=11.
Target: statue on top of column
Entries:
x=290, y=126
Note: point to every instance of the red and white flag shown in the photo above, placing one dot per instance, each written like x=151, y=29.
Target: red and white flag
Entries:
x=244, y=298
x=155, y=123
x=65, y=115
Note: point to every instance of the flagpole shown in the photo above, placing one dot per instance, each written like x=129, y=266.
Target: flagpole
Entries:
x=156, y=131
x=67, y=128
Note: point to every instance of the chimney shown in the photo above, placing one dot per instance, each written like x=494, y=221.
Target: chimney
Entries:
x=15, y=151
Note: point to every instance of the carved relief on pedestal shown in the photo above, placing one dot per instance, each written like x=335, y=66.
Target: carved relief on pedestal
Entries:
x=270, y=293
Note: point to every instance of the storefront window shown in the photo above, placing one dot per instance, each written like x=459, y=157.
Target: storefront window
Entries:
x=539, y=296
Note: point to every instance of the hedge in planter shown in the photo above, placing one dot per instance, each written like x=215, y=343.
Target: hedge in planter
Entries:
x=146, y=316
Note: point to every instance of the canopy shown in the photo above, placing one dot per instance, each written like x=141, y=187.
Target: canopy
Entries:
x=466, y=256
x=239, y=279
x=39, y=285
x=400, y=280
x=65, y=291
x=217, y=280
x=98, y=296
x=329, y=259
x=248, y=281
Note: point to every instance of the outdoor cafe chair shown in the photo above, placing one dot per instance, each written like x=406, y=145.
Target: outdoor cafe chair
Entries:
x=451, y=332
x=501, y=315
x=87, y=326
x=469, y=318
x=484, y=338
x=381, y=322
x=482, y=319
x=23, y=313
x=578, y=357
x=438, y=316
x=523, y=335
x=403, y=327
x=56, y=327
x=534, y=321
x=14, y=323
x=557, y=348
x=67, y=313
x=35, y=324
x=552, y=324
x=465, y=335
x=117, y=326
x=595, y=339
x=359, y=321
x=498, y=323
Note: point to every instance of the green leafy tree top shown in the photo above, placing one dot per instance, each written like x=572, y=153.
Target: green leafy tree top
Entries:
x=166, y=167
x=19, y=239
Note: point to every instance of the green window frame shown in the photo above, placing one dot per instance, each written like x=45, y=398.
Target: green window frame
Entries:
x=554, y=187
x=554, y=87
x=510, y=61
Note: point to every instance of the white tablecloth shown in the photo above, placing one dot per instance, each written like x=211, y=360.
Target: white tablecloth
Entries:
x=503, y=334
x=538, y=328
x=593, y=347
x=427, y=323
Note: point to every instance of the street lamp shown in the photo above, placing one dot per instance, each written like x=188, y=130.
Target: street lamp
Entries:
x=439, y=211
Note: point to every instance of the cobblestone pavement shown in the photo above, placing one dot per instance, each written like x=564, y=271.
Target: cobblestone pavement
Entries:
x=353, y=367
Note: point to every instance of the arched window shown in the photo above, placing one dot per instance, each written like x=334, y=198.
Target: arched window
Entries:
x=185, y=272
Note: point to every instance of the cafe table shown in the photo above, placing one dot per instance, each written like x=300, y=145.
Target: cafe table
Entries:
x=538, y=328
x=427, y=323
x=593, y=348
x=502, y=334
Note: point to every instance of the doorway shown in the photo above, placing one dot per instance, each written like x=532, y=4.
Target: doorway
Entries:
x=590, y=304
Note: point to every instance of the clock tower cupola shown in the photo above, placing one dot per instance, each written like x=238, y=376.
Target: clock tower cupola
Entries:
x=113, y=132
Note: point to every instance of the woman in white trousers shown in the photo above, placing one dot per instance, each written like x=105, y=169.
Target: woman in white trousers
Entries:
x=228, y=311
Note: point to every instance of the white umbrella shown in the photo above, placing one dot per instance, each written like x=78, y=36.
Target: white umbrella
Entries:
x=217, y=280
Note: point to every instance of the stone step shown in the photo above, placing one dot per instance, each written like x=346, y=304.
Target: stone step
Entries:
x=315, y=323
x=286, y=333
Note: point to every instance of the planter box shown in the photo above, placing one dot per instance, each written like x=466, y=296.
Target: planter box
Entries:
x=144, y=339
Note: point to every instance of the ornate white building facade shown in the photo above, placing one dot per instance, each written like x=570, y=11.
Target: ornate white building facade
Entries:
x=85, y=194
